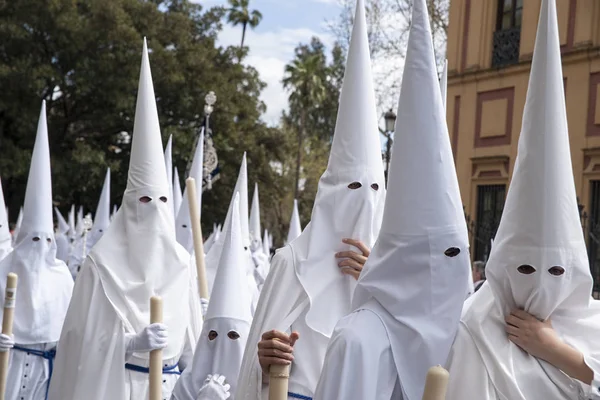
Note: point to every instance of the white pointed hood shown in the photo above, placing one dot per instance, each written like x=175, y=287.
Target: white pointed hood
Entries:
x=183, y=223
x=266, y=244
x=114, y=212
x=17, y=226
x=63, y=225
x=102, y=216
x=177, y=195
x=423, y=242
x=169, y=167
x=254, y=226
x=138, y=257
x=539, y=233
x=295, y=228
x=230, y=299
x=79, y=223
x=543, y=165
x=5, y=238
x=37, y=208
x=72, y=228
x=212, y=238
x=351, y=192
x=214, y=255
x=45, y=284
x=241, y=187
x=228, y=314
x=444, y=85
x=63, y=245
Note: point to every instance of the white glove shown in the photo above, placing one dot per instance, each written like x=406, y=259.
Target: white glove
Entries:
x=153, y=337
x=204, y=305
x=214, y=388
x=6, y=342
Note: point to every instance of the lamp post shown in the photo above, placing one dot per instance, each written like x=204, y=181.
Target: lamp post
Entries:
x=209, y=151
x=390, y=123
x=211, y=161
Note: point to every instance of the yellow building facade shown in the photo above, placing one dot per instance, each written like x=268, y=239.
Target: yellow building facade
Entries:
x=490, y=46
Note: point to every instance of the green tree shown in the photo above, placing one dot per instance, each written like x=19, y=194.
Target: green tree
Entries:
x=312, y=118
x=83, y=58
x=238, y=14
x=305, y=81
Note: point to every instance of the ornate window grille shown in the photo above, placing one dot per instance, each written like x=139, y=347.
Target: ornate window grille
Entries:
x=507, y=38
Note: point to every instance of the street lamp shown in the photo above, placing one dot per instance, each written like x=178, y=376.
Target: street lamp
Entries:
x=390, y=123
x=210, y=99
x=210, y=162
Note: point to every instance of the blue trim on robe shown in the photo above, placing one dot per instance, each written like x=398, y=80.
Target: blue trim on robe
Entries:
x=166, y=370
x=47, y=355
x=298, y=396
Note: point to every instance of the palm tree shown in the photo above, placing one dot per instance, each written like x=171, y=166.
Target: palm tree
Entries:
x=240, y=15
x=304, y=79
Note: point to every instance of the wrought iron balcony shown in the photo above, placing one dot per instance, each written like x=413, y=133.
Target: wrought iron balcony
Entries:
x=506, y=47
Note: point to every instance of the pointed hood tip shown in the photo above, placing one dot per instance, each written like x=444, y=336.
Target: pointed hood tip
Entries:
x=356, y=133
x=231, y=275
x=543, y=139
x=430, y=151
x=145, y=170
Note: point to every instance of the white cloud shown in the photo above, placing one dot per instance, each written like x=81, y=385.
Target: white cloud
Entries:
x=269, y=53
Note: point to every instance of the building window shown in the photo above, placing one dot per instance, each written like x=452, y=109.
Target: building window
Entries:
x=490, y=203
x=593, y=233
x=507, y=38
x=510, y=13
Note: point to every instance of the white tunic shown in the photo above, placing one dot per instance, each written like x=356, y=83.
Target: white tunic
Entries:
x=28, y=374
x=282, y=306
x=92, y=364
x=359, y=363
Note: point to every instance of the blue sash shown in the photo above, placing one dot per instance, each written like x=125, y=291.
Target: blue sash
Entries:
x=298, y=396
x=47, y=355
x=166, y=370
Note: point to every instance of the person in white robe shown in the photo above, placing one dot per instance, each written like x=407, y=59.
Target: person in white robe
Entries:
x=177, y=194
x=169, y=167
x=260, y=259
x=183, y=223
x=444, y=89
x=77, y=254
x=311, y=280
x=102, y=216
x=533, y=329
x=15, y=232
x=216, y=232
x=71, y=221
x=266, y=243
x=214, y=255
x=227, y=321
x=45, y=284
x=5, y=237
x=107, y=335
x=61, y=237
x=295, y=228
x=410, y=294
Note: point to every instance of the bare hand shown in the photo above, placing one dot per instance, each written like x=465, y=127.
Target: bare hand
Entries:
x=352, y=262
x=276, y=348
x=537, y=338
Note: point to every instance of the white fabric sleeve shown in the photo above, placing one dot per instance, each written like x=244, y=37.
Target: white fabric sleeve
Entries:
x=590, y=392
x=187, y=355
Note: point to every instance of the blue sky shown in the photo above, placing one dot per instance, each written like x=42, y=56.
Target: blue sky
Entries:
x=285, y=24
